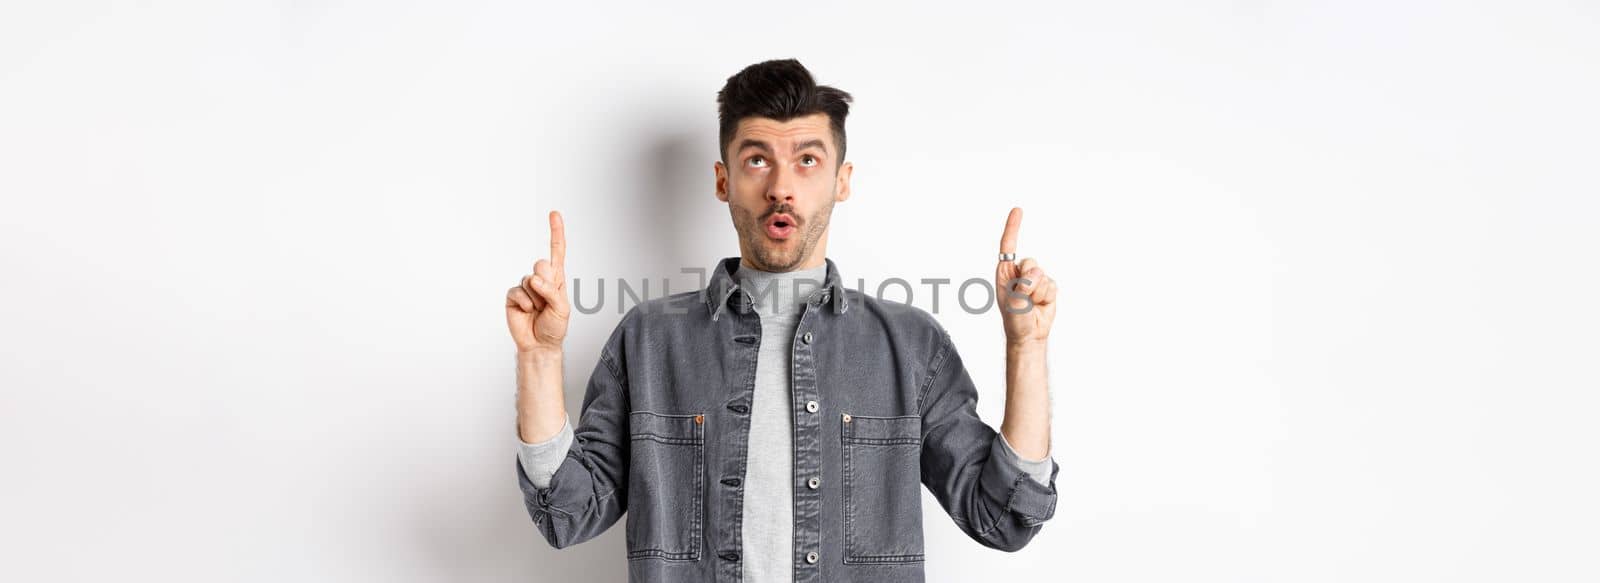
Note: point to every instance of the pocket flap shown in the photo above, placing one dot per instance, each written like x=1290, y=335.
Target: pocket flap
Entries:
x=882, y=430
x=685, y=428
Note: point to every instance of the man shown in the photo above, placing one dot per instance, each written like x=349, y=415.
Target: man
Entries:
x=776, y=426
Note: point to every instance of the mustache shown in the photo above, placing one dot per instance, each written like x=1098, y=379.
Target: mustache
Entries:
x=782, y=209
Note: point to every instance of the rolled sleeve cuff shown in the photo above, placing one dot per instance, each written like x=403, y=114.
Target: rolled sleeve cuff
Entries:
x=1017, y=489
x=541, y=460
x=1039, y=470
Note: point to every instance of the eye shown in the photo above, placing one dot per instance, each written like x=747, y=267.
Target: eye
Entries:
x=812, y=159
x=752, y=161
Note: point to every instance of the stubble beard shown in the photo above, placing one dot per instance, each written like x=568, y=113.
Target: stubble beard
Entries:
x=766, y=257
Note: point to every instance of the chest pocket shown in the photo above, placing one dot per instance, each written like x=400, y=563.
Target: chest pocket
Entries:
x=666, y=485
x=882, y=489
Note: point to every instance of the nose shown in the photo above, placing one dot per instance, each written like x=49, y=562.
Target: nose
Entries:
x=781, y=190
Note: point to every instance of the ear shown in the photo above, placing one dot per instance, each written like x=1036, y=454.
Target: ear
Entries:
x=842, y=188
x=722, y=180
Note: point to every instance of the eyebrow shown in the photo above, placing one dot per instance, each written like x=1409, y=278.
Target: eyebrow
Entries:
x=758, y=144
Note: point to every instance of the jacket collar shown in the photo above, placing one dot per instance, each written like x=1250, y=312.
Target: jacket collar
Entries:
x=724, y=288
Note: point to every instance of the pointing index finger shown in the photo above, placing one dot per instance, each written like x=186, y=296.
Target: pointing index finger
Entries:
x=1008, y=240
x=558, y=241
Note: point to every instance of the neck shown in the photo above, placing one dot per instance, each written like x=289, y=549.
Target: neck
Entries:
x=809, y=263
x=775, y=292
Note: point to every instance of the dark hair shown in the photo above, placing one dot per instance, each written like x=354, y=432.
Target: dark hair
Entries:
x=781, y=90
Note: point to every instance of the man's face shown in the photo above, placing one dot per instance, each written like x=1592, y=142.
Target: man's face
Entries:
x=781, y=182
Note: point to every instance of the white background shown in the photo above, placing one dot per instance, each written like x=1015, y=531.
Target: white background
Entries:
x=1328, y=271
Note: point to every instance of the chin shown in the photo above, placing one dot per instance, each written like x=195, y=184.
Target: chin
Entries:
x=777, y=259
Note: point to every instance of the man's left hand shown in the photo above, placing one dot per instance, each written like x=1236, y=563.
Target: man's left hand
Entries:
x=1025, y=294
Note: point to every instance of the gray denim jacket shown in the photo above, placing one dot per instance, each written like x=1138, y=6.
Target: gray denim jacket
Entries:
x=882, y=405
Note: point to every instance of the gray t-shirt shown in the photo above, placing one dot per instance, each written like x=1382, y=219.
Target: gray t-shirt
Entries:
x=769, y=477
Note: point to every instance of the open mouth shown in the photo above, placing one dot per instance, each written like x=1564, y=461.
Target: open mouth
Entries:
x=780, y=226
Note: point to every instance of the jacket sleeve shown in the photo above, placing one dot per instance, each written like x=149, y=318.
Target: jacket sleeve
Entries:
x=992, y=499
x=589, y=490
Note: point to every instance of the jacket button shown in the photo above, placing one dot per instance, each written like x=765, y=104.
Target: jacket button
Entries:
x=731, y=481
x=806, y=338
x=811, y=406
x=814, y=482
x=811, y=557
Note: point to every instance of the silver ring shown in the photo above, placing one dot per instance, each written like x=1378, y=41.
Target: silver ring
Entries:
x=1008, y=256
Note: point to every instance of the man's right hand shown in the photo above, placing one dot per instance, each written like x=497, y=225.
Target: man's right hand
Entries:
x=537, y=310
